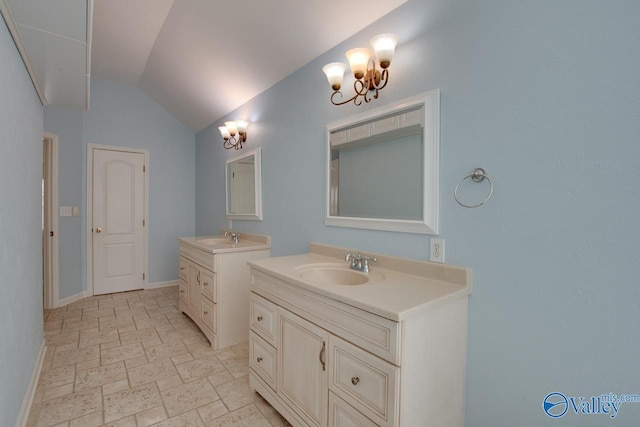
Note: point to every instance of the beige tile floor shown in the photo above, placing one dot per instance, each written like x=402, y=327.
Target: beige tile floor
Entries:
x=132, y=359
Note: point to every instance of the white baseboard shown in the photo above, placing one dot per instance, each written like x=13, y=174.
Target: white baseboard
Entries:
x=72, y=298
x=23, y=415
x=163, y=284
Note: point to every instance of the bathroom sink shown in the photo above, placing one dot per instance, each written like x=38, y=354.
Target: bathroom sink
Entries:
x=333, y=276
x=214, y=241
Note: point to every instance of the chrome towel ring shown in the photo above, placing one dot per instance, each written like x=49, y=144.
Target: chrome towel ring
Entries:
x=477, y=175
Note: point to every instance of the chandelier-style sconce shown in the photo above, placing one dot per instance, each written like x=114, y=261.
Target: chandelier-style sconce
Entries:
x=369, y=79
x=229, y=131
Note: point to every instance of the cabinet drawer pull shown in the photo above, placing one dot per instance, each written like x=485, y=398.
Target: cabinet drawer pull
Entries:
x=206, y=284
x=181, y=268
x=182, y=292
x=198, y=278
x=259, y=318
x=259, y=359
x=206, y=312
x=355, y=380
x=324, y=345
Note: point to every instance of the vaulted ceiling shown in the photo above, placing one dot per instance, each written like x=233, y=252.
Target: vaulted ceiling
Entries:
x=200, y=59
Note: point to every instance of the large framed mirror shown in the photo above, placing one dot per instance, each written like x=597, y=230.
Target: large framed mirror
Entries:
x=382, y=167
x=244, y=186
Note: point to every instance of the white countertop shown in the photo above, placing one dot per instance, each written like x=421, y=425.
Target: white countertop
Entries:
x=246, y=242
x=397, y=290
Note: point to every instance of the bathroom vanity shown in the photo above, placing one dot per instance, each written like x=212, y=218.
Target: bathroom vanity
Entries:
x=215, y=283
x=331, y=346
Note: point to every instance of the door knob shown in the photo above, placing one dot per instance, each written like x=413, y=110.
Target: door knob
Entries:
x=98, y=229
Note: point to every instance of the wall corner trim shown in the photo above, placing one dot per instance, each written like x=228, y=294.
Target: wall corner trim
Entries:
x=23, y=415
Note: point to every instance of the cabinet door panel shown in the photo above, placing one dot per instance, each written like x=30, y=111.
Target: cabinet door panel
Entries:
x=302, y=367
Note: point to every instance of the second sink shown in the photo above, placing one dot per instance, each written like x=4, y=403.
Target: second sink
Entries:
x=332, y=274
x=214, y=241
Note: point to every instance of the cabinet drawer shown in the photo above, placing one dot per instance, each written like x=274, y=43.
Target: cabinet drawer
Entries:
x=341, y=414
x=262, y=359
x=208, y=280
x=184, y=272
x=209, y=314
x=184, y=296
x=264, y=318
x=366, y=382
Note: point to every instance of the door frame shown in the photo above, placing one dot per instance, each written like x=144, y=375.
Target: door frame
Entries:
x=89, y=217
x=51, y=285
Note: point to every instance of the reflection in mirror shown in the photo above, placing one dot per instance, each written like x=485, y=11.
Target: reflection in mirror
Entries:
x=383, y=168
x=244, y=186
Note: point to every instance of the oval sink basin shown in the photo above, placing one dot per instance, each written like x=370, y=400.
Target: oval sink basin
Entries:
x=214, y=241
x=334, y=276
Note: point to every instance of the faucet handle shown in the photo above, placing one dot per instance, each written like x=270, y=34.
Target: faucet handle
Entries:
x=347, y=256
x=365, y=262
x=234, y=236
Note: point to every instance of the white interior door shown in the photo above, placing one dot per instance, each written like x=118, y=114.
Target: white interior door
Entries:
x=118, y=215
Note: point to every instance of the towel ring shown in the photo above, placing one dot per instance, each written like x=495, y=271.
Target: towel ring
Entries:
x=478, y=175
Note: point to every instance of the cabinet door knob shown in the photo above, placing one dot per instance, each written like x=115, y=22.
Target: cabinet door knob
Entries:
x=259, y=318
x=206, y=312
x=206, y=284
x=182, y=292
x=259, y=359
x=355, y=380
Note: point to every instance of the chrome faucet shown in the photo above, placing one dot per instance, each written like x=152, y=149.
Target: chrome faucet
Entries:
x=234, y=236
x=359, y=261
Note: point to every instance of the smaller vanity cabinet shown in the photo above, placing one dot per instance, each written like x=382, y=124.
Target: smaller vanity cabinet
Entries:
x=323, y=362
x=215, y=286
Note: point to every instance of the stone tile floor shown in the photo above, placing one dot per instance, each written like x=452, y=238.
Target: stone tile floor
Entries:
x=133, y=359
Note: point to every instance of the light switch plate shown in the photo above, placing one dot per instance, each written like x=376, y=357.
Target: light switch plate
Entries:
x=65, y=210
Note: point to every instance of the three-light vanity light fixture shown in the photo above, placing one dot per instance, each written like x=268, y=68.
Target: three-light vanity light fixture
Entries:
x=229, y=131
x=371, y=75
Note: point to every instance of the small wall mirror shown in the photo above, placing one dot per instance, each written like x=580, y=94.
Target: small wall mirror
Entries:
x=244, y=186
x=382, y=167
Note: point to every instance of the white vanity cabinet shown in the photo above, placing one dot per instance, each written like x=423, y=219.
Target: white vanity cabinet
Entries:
x=215, y=284
x=342, y=361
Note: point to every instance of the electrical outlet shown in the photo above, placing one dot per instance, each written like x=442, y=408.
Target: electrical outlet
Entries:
x=436, y=253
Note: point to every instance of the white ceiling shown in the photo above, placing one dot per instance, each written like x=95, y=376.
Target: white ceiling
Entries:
x=199, y=59
x=52, y=39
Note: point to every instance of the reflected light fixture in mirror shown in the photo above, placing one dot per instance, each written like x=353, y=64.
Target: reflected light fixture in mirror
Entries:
x=229, y=132
x=371, y=75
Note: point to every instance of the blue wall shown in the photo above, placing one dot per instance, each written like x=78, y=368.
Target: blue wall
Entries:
x=545, y=96
x=122, y=115
x=20, y=229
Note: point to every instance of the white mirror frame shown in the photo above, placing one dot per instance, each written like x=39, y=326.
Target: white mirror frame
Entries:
x=257, y=215
x=430, y=173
